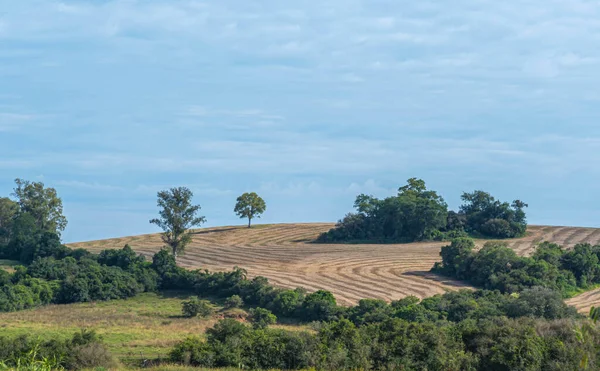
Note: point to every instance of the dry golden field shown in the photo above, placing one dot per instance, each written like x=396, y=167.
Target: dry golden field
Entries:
x=284, y=254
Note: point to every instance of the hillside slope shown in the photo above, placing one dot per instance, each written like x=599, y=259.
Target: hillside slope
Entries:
x=284, y=254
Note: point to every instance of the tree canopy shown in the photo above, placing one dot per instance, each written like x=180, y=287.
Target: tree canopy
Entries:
x=8, y=212
x=177, y=216
x=490, y=217
x=250, y=205
x=417, y=213
x=414, y=214
x=42, y=203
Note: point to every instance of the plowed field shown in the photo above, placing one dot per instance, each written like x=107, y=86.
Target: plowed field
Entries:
x=285, y=254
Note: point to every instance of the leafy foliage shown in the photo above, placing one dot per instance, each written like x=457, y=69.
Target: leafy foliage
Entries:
x=414, y=214
x=8, y=212
x=177, y=216
x=417, y=214
x=489, y=217
x=84, y=350
x=250, y=206
x=262, y=318
x=234, y=301
x=196, y=307
x=42, y=203
x=496, y=266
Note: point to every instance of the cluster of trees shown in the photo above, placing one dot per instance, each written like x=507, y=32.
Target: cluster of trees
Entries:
x=77, y=276
x=493, y=343
x=498, y=267
x=417, y=214
x=31, y=224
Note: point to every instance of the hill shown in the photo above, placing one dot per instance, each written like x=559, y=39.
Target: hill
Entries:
x=284, y=254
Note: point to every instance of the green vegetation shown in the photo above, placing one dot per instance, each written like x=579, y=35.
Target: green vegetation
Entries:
x=519, y=322
x=234, y=301
x=262, y=318
x=418, y=214
x=147, y=325
x=250, y=206
x=196, y=307
x=84, y=350
x=177, y=216
x=497, y=267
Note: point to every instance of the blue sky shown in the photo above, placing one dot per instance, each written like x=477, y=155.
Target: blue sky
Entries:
x=306, y=102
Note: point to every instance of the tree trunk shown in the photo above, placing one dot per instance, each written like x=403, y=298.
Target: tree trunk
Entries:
x=249, y=220
x=175, y=255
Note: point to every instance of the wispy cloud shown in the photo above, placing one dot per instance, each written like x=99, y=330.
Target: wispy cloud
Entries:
x=324, y=98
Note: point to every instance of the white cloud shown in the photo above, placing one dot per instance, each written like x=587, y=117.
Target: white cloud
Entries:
x=94, y=186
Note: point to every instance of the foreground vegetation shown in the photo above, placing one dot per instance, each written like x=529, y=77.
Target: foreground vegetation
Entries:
x=146, y=326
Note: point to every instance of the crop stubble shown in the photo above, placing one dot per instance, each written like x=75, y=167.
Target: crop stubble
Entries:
x=285, y=255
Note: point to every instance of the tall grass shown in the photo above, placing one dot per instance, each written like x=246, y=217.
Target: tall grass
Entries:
x=32, y=362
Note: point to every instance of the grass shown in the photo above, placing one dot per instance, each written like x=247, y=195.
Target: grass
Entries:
x=580, y=290
x=8, y=265
x=143, y=327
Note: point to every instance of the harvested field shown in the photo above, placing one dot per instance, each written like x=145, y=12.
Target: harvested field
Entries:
x=284, y=254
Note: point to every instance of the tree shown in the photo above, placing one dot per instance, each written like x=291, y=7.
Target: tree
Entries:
x=41, y=203
x=8, y=211
x=414, y=214
x=262, y=318
x=250, y=205
x=177, y=216
x=492, y=218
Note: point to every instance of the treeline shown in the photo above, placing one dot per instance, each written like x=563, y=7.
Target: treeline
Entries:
x=497, y=267
x=72, y=276
x=417, y=214
x=494, y=343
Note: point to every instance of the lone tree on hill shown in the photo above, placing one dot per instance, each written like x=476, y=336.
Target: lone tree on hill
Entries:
x=250, y=205
x=177, y=216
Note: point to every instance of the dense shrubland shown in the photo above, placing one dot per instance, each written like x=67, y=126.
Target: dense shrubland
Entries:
x=417, y=214
x=497, y=267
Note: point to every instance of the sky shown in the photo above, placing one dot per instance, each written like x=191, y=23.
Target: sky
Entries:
x=307, y=103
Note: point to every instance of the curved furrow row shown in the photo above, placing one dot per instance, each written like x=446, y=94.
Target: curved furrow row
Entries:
x=579, y=235
x=283, y=253
x=592, y=237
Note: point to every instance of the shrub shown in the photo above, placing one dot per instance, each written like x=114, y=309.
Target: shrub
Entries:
x=196, y=307
x=91, y=355
x=287, y=302
x=319, y=306
x=262, y=318
x=234, y=301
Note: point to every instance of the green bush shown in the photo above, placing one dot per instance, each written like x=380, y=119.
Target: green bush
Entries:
x=234, y=301
x=85, y=349
x=196, y=307
x=262, y=318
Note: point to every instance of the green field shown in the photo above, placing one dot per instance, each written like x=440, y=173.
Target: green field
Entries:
x=145, y=326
